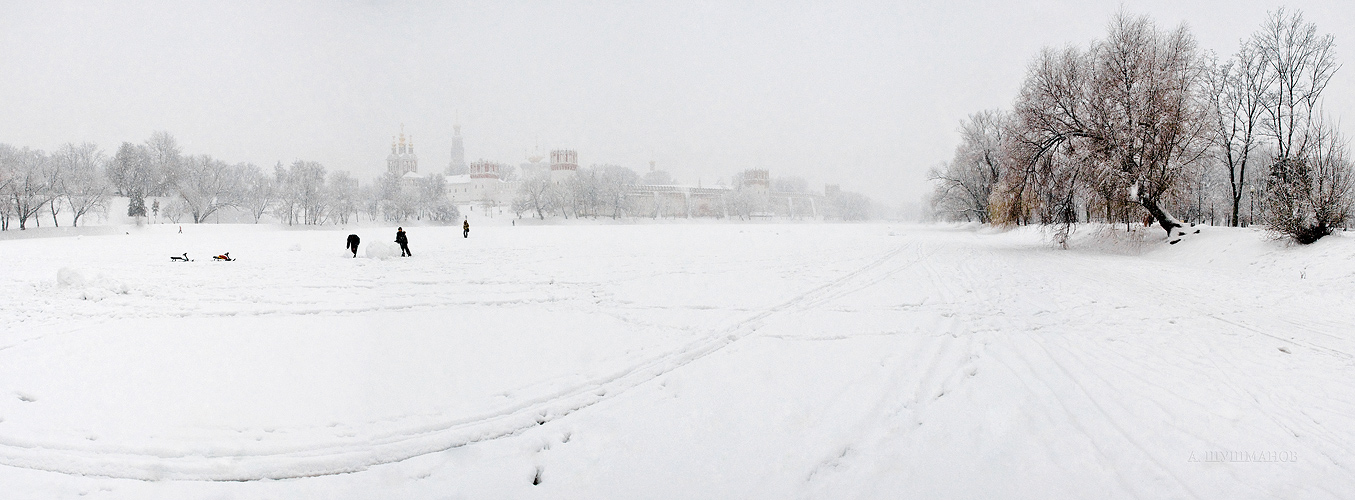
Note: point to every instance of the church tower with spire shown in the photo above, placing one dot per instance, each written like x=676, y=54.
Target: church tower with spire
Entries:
x=402, y=159
x=458, y=164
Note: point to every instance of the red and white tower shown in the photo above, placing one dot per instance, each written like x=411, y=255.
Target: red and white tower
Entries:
x=564, y=165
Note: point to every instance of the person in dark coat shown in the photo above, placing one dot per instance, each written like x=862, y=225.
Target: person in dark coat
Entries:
x=465, y=229
x=403, y=241
x=353, y=241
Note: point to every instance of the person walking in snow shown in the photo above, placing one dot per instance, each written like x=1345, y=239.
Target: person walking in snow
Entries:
x=465, y=228
x=403, y=241
x=352, y=244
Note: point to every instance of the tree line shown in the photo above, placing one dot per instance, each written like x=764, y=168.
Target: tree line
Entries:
x=610, y=191
x=80, y=179
x=1142, y=124
x=159, y=180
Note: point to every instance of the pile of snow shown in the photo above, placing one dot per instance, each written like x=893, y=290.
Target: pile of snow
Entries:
x=70, y=277
x=97, y=288
x=381, y=250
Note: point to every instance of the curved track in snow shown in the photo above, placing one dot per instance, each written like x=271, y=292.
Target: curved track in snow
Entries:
x=380, y=445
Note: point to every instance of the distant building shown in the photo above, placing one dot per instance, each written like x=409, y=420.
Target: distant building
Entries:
x=564, y=165
x=483, y=186
x=402, y=159
x=751, y=196
x=458, y=164
x=534, y=167
x=756, y=178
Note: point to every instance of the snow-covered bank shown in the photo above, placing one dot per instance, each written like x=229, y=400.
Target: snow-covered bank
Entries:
x=675, y=361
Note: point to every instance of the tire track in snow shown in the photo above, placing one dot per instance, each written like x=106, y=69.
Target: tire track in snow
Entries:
x=397, y=444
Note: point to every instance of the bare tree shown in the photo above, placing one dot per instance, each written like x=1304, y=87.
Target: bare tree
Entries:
x=53, y=168
x=344, y=195
x=433, y=201
x=535, y=194
x=1298, y=65
x=124, y=168
x=207, y=185
x=1130, y=111
x=164, y=164
x=288, y=197
x=1308, y=190
x=307, y=179
x=614, y=184
x=743, y=201
x=587, y=195
x=8, y=179
x=130, y=174
x=260, y=191
x=28, y=187
x=82, y=184
x=1238, y=91
x=1309, y=196
x=965, y=184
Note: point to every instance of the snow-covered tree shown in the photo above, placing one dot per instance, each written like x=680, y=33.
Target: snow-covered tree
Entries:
x=344, y=196
x=260, y=191
x=302, y=193
x=1308, y=192
x=1308, y=197
x=614, y=184
x=6, y=183
x=308, y=180
x=1237, y=90
x=82, y=184
x=741, y=201
x=1130, y=113
x=963, y=186
x=28, y=187
x=206, y=185
x=535, y=194
x=433, y=195
x=164, y=162
x=433, y=202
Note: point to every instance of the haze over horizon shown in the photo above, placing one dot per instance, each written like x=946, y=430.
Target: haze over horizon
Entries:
x=867, y=95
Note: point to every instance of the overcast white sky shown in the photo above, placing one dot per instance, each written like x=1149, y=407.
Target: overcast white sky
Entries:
x=865, y=94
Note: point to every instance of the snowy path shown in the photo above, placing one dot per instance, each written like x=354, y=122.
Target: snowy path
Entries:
x=819, y=361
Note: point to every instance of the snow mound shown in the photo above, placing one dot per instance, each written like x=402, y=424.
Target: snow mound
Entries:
x=1112, y=238
x=381, y=250
x=97, y=288
x=69, y=277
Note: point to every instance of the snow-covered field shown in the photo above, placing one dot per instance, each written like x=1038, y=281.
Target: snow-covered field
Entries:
x=675, y=361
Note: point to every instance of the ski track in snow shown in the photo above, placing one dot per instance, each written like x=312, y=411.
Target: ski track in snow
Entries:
x=1045, y=319
x=398, y=443
x=1105, y=371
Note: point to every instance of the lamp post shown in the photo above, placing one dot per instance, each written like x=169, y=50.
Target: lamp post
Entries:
x=1251, y=198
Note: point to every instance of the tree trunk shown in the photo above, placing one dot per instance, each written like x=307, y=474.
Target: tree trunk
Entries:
x=1163, y=218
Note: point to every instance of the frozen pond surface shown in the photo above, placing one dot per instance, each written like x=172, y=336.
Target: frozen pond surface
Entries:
x=675, y=361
